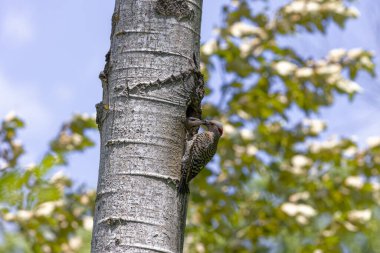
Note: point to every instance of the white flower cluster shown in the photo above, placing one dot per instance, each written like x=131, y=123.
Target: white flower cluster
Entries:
x=304, y=72
x=10, y=116
x=299, y=162
x=249, y=44
x=360, y=215
x=373, y=141
x=354, y=55
x=247, y=134
x=299, y=196
x=240, y=29
x=330, y=68
x=88, y=222
x=45, y=209
x=229, y=129
x=300, y=6
x=285, y=68
x=315, y=126
x=349, y=86
x=209, y=47
x=293, y=209
x=317, y=146
x=306, y=7
x=354, y=181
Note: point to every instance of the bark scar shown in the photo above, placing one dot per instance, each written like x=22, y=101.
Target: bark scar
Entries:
x=115, y=20
x=174, y=8
x=101, y=113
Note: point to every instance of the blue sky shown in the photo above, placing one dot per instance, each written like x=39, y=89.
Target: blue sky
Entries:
x=51, y=53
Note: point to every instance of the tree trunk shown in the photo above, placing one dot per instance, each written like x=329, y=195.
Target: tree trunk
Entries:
x=151, y=83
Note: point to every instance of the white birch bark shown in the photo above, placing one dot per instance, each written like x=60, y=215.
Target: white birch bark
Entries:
x=150, y=85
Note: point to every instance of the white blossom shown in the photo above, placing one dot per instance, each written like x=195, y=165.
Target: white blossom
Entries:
x=351, y=151
x=235, y=3
x=292, y=209
x=355, y=53
x=302, y=6
x=333, y=79
x=46, y=248
x=316, y=125
x=285, y=68
x=200, y=247
x=360, y=215
x=312, y=6
x=337, y=54
x=10, y=116
x=9, y=217
x=354, y=181
x=21, y=215
x=350, y=227
x=57, y=176
x=77, y=139
x=300, y=161
x=306, y=210
x=289, y=208
x=304, y=72
x=229, y=129
x=24, y=215
x=336, y=7
x=353, y=12
x=373, y=141
x=209, y=47
x=299, y=196
x=296, y=6
x=49, y=236
x=239, y=29
x=85, y=116
x=348, y=86
x=84, y=199
x=247, y=45
x=283, y=99
x=242, y=114
x=88, y=222
x=251, y=150
x=302, y=219
x=328, y=233
x=3, y=164
x=365, y=60
x=75, y=243
x=331, y=143
x=47, y=208
x=247, y=134
x=329, y=69
x=375, y=186
x=31, y=166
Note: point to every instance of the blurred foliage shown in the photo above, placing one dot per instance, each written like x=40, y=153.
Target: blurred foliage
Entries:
x=277, y=185
x=41, y=211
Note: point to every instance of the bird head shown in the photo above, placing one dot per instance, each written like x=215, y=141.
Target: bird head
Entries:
x=214, y=126
x=194, y=122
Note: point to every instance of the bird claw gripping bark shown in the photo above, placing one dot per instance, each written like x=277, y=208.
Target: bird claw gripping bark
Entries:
x=199, y=150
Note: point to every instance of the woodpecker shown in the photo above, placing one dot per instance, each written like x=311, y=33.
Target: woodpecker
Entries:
x=199, y=150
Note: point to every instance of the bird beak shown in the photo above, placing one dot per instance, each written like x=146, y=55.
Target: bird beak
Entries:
x=192, y=122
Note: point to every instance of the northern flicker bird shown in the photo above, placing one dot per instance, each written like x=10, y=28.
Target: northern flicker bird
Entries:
x=199, y=151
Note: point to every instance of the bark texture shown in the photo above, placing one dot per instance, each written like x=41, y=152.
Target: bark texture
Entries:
x=151, y=83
